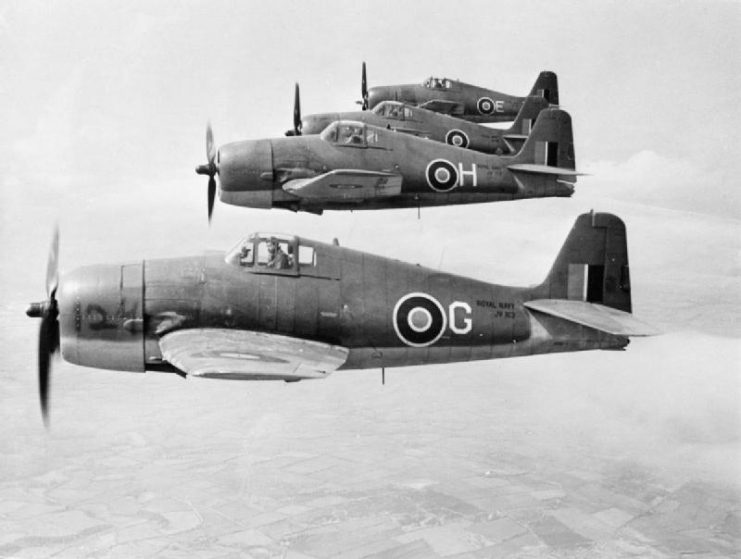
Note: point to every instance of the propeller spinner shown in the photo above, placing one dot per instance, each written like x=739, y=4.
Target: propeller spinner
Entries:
x=48, y=311
x=210, y=169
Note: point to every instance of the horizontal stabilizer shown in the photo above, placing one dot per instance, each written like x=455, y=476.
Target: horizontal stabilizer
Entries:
x=516, y=137
x=247, y=355
x=346, y=185
x=599, y=317
x=443, y=106
x=543, y=169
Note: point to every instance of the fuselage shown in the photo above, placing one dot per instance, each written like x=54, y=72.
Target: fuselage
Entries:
x=387, y=313
x=252, y=173
x=473, y=103
x=429, y=124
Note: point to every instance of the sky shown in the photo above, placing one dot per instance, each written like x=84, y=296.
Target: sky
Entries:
x=94, y=97
x=104, y=112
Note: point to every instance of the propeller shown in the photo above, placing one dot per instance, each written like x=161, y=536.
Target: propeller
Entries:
x=48, y=311
x=297, y=124
x=364, y=89
x=210, y=169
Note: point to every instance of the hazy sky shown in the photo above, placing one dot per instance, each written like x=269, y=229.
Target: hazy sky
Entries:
x=104, y=110
x=93, y=96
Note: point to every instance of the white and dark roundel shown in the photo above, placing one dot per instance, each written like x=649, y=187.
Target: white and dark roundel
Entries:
x=457, y=138
x=485, y=105
x=419, y=319
x=441, y=175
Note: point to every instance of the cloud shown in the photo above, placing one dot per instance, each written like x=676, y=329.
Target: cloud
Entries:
x=659, y=180
x=669, y=404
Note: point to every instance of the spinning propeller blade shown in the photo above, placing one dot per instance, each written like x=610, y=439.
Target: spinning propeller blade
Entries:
x=364, y=89
x=297, y=124
x=210, y=169
x=49, y=329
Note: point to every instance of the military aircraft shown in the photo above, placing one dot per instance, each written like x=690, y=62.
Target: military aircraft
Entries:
x=459, y=99
x=429, y=124
x=281, y=307
x=356, y=166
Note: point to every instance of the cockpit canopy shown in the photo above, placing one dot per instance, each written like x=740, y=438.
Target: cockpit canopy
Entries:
x=438, y=83
x=274, y=253
x=350, y=133
x=393, y=109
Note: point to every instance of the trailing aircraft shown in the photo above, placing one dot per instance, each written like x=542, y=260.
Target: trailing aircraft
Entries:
x=282, y=307
x=462, y=100
x=355, y=166
x=421, y=122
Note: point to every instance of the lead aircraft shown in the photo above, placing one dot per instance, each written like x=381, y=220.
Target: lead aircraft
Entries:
x=281, y=307
x=424, y=123
x=356, y=166
x=463, y=100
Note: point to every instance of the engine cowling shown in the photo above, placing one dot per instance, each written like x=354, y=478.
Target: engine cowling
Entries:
x=246, y=173
x=101, y=317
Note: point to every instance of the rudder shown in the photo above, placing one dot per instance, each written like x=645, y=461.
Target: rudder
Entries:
x=546, y=86
x=527, y=116
x=551, y=141
x=592, y=265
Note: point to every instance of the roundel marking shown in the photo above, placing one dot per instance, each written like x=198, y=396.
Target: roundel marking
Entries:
x=457, y=138
x=485, y=105
x=419, y=319
x=441, y=175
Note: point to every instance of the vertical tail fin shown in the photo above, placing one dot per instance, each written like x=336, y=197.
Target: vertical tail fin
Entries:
x=524, y=122
x=551, y=141
x=592, y=265
x=546, y=86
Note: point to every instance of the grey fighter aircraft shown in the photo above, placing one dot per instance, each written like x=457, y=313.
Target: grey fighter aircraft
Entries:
x=281, y=307
x=429, y=124
x=459, y=99
x=356, y=166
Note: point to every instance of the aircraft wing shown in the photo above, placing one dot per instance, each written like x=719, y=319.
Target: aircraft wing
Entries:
x=443, y=106
x=247, y=355
x=595, y=316
x=413, y=131
x=346, y=185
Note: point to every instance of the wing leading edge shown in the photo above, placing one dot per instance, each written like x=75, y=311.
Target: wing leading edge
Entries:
x=247, y=355
x=444, y=106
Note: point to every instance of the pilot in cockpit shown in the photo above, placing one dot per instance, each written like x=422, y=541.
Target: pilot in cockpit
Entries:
x=352, y=135
x=278, y=258
x=290, y=260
